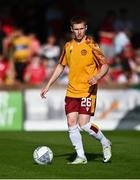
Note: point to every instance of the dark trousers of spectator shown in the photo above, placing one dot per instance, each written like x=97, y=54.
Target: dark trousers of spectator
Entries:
x=20, y=69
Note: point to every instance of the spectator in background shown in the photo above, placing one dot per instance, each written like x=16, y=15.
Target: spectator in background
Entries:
x=127, y=60
x=20, y=52
x=123, y=56
x=34, y=44
x=35, y=72
x=50, y=53
x=50, y=50
x=123, y=22
x=49, y=65
x=7, y=73
x=4, y=66
x=128, y=77
x=9, y=32
x=107, y=34
x=121, y=40
x=136, y=63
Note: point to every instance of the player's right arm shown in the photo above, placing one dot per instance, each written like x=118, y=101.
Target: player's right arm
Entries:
x=58, y=71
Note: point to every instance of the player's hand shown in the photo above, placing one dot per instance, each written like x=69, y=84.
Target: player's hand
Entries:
x=93, y=80
x=43, y=92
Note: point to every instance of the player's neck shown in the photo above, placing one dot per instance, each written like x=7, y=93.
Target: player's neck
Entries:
x=79, y=41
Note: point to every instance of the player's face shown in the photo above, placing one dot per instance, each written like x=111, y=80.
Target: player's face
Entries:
x=79, y=31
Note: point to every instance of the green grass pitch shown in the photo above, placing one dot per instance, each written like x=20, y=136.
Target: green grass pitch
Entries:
x=16, y=149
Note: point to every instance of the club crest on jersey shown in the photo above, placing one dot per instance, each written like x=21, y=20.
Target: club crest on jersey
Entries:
x=84, y=52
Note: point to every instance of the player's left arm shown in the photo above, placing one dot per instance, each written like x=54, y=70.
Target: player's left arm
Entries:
x=102, y=72
x=101, y=63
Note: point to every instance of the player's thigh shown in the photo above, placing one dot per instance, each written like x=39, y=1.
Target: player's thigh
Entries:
x=72, y=105
x=72, y=118
x=83, y=119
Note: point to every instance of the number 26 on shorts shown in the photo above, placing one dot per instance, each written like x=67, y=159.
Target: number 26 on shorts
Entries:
x=86, y=102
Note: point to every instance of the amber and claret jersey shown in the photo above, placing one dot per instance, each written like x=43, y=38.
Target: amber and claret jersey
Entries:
x=84, y=60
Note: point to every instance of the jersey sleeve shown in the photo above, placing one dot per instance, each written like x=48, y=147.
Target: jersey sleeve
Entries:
x=63, y=59
x=99, y=56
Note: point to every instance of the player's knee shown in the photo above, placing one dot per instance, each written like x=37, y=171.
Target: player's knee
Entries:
x=85, y=126
x=82, y=124
x=72, y=122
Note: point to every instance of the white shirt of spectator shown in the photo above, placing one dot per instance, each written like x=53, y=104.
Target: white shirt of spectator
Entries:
x=121, y=40
x=50, y=51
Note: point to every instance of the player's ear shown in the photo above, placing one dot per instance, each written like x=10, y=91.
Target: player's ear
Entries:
x=71, y=28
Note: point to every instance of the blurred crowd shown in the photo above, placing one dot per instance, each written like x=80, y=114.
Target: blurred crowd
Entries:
x=115, y=39
x=25, y=59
